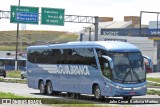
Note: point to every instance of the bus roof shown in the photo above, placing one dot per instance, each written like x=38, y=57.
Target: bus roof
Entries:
x=108, y=45
x=11, y=58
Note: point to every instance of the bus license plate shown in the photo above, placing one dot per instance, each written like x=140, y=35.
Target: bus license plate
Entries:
x=132, y=93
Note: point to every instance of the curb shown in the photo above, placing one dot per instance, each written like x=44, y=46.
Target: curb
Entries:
x=13, y=81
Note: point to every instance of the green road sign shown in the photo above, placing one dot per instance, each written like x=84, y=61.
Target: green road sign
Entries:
x=52, y=16
x=23, y=14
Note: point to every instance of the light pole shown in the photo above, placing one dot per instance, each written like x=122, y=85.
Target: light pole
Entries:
x=16, y=64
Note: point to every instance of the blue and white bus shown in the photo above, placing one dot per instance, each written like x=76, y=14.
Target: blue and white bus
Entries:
x=101, y=68
x=9, y=63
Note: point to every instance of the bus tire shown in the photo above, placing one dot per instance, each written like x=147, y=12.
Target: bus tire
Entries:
x=42, y=87
x=97, y=93
x=127, y=98
x=4, y=75
x=22, y=77
x=70, y=95
x=49, y=88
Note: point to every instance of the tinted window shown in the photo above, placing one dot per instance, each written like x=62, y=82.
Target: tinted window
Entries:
x=67, y=56
x=56, y=56
x=101, y=52
x=63, y=56
x=1, y=63
x=84, y=56
x=6, y=62
x=39, y=56
x=22, y=63
x=78, y=56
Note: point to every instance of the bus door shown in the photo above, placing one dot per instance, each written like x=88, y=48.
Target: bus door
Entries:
x=107, y=72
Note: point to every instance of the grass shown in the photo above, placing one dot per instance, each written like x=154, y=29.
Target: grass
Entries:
x=10, y=48
x=153, y=92
x=14, y=74
x=152, y=84
x=83, y=105
x=154, y=79
x=26, y=38
x=10, y=95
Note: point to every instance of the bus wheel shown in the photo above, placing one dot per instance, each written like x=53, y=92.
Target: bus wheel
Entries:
x=42, y=87
x=127, y=98
x=77, y=95
x=22, y=77
x=4, y=75
x=97, y=93
x=49, y=88
x=70, y=95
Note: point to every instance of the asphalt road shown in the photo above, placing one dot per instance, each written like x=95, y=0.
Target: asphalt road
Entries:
x=23, y=90
x=153, y=75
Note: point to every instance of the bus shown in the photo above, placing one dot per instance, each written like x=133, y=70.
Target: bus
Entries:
x=9, y=63
x=100, y=68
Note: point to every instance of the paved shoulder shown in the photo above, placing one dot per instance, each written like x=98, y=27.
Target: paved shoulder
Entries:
x=153, y=75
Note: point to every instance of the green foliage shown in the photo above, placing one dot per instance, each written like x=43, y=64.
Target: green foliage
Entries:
x=153, y=92
x=154, y=79
x=14, y=74
x=10, y=48
x=9, y=95
x=27, y=38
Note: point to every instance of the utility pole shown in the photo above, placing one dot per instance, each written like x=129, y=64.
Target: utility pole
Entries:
x=16, y=64
x=89, y=33
x=96, y=27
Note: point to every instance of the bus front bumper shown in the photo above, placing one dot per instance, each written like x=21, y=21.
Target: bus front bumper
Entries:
x=134, y=91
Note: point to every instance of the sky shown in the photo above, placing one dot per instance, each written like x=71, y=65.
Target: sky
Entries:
x=102, y=8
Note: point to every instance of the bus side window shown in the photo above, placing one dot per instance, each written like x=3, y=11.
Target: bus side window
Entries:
x=67, y=58
x=1, y=63
x=107, y=70
x=56, y=56
x=104, y=64
x=90, y=57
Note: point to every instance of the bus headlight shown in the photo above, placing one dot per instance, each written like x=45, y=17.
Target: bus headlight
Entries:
x=139, y=88
x=116, y=86
x=144, y=86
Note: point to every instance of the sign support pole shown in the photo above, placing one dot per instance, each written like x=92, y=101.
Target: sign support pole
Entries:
x=16, y=64
x=96, y=27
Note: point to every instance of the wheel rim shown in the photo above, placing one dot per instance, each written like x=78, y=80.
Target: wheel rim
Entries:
x=49, y=88
x=42, y=88
x=97, y=93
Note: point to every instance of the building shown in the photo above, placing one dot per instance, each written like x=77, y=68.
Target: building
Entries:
x=146, y=38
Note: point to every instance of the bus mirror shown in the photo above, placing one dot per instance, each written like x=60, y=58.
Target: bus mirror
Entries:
x=109, y=60
x=148, y=64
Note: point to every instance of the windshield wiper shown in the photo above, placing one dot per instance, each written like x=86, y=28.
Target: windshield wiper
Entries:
x=126, y=74
x=129, y=72
x=136, y=75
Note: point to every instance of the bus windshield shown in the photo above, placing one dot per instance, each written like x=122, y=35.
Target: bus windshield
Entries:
x=128, y=67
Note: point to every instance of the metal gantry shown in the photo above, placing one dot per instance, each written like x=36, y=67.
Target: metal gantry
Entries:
x=79, y=19
x=68, y=18
x=4, y=14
